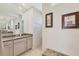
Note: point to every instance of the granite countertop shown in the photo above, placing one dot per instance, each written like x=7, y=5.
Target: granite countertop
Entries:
x=23, y=34
x=15, y=36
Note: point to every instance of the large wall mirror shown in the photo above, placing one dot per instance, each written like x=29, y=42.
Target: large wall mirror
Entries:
x=9, y=23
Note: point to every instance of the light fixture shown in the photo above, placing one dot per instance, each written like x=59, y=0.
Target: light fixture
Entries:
x=23, y=4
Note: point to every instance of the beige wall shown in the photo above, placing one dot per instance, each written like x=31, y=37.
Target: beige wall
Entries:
x=32, y=24
x=37, y=28
x=56, y=38
x=27, y=17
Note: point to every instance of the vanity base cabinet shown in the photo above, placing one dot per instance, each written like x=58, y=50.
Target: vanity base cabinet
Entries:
x=16, y=46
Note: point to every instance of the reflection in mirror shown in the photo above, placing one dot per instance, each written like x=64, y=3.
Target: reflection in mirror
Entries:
x=5, y=23
x=10, y=23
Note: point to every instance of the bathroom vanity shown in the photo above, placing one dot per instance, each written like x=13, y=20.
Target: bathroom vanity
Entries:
x=15, y=44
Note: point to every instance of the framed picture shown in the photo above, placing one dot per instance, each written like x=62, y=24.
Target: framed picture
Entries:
x=70, y=20
x=49, y=20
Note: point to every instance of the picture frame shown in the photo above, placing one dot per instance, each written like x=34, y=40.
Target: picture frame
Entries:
x=49, y=20
x=70, y=20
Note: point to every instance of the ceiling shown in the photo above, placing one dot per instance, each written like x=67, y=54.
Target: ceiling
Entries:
x=9, y=10
x=17, y=8
x=14, y=9
x=53, y=4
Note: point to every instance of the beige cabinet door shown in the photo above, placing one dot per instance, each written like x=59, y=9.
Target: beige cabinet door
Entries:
x=8, y=48
x=29, y=43
x=19, y=46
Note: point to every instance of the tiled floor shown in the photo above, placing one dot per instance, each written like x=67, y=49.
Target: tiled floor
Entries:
x=33, y=52
x=40, y=52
